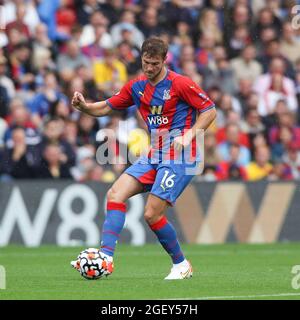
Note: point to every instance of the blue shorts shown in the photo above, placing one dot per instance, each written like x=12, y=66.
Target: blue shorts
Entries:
x=165, y=180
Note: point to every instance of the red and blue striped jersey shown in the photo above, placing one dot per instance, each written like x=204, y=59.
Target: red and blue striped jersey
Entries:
x=171, y=104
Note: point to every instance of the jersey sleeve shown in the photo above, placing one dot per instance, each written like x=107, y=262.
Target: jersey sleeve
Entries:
x=122, y=99
x=193, y=95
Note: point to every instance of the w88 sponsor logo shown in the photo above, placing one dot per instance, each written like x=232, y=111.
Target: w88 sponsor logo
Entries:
x=157, y=120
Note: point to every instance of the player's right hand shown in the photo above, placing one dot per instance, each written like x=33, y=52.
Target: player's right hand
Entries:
x=78, y=101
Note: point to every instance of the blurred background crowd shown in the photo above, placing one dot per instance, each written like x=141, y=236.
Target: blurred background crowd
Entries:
x=245, y=54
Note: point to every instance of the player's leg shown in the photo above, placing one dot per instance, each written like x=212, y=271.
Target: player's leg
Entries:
x=170, y=181
x=155, y=217
x=125, y=187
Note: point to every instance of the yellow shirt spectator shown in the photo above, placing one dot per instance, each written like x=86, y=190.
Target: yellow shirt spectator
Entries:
x=256, y=172
x=261, y=167
x=110, y=74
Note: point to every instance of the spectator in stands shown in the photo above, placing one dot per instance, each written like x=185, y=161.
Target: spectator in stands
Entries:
x=233, y=118
x=261, y=167
x=272, y=51
x=231, y=169
x=238, y=17
x=245, y=66
x=70, y=134
x=292, y=159
x=14, y=37
x=19, y=160
x=110, y=74
x=19, y=117
x=60, y=109
x=20, y=67
x=189, y=69
x=243, y=94
x=41, y=40
x=226, y=104
x=70, y=60
x=53, y=134
x=127, y=20
x=289, y=45
x=83, y=82
x=241, y=37
x=284, y=139
x=19, y=22
x=87, y=36
x=257, y=141
x=84, y=10
x=253, y=124
x=52, y=165
x=113, y=9
x=187, y=54
x=280, y=171
x=127, y=35
x=95, y=50
x=49, y=94
x=183, y=32
x=31, y=17
x=47, y=10
x=275, y=93
x=204, y=53
x=284, y=133
x=264, y=81
x=87, y=130
x=266, y=18
x=212, y=157
x=149, y=22
x=208, y=22
x=223, y=76
x=232, y=137
x=65, y=17
x=130, y=57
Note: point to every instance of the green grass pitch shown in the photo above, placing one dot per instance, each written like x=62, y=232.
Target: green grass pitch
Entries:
x=228, y=271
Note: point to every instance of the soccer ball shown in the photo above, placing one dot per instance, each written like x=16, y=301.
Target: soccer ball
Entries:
x=92, y=264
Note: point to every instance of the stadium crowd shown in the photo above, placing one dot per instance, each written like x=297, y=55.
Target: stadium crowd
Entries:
x=245, y=54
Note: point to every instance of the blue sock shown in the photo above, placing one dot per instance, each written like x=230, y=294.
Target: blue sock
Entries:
x=112, y=227
x=166, y=235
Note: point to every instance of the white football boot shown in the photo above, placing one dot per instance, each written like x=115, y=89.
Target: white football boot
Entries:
x=76, y=264
x=109, y=266
x=181, y=271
